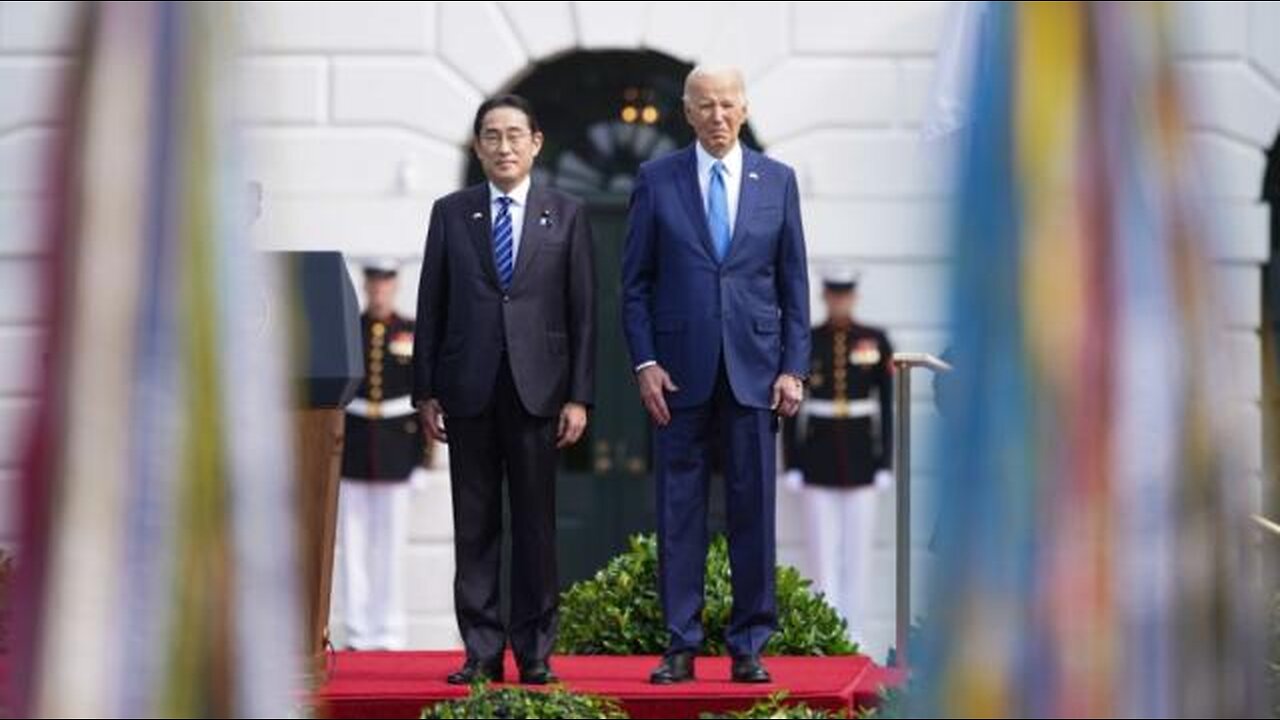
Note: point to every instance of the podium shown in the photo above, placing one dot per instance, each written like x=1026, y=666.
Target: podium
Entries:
x=327, y=372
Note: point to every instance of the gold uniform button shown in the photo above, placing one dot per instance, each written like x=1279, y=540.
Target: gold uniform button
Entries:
x=379, y=329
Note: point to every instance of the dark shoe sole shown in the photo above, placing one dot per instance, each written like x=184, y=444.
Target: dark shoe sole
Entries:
x=460, y=679
x=669, y=680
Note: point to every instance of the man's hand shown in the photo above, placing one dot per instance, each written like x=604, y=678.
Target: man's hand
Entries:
x=788, y=391
x=573, y=421
x=654, y=384
x=432, y=416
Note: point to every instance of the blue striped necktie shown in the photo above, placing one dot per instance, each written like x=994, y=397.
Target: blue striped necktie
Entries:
x=502, y=239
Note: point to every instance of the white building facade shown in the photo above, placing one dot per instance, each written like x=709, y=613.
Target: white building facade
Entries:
x=359, y=114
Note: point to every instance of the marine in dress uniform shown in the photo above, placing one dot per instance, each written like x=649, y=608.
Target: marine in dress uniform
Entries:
x=384, y=445
x=839, y=447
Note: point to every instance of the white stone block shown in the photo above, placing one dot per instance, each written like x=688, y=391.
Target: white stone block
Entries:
x=1239, y=294
x=863, y=164
x=685, y=30
x=38, y=26
x=1245, y=436
x=14, y=414
x=896, y=293
x=807, y=93
x=754, y=39
x=431, y=508
x=909, y=339
x=868, y=28
x=1210, y=28
x=331, y=27
x=1229, y=168
x=423, y=95
x=284, y=90
x=611, y=24
x=28, y=89
x=428, y=569
x=790, y=511
x=915, y=92
x=21, y=222
x=24, y=157
x=1241, y=231
x=349, y=162
x=359, y=227
x=857, y=230
x=477, y=40
x=21, y=347
x=1264, y=28
x=434, y=632
x=1243, y=358
x=1232, y=98
x=544, y=28
x=19, y=290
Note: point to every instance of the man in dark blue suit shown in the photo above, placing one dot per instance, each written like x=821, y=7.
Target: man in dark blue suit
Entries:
x=716, y=313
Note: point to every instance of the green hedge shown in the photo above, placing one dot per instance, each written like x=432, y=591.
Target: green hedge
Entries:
x=487, y=702
x=776, y=706
x=617, y=611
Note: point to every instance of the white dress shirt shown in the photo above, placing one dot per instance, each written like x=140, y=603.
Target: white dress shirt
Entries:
x=519, y=201
x=732, y=178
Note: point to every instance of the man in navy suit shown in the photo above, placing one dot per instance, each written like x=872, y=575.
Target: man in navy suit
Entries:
x=716, y=314
x=504, y=363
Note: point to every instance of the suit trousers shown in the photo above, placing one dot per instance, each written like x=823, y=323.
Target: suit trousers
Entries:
x=682, y=453
x=504, y=442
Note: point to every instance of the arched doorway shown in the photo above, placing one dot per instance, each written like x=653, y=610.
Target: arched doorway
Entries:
x=604, y=113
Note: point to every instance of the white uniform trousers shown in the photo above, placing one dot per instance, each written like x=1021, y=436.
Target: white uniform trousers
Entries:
x=372, y=536
x=839, y=532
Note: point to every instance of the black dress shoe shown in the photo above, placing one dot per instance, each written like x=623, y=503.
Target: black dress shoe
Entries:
x=676, y=667
x=747, y=669
x=474, y=671
x=537, y=673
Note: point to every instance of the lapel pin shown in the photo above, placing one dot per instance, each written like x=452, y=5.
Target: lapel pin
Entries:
x=753, y=176
x=477, y=216
x=545, y=219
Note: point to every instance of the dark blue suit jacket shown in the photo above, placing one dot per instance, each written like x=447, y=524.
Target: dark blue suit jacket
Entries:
x=684, y=309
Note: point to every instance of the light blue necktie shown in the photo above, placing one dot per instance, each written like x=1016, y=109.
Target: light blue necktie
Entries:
x=718, y=211
x=502, y=238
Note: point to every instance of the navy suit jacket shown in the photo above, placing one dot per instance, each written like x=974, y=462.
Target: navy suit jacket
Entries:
x=545, y=321
x=684, y=309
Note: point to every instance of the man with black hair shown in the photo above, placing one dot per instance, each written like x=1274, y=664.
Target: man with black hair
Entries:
x=503, y=372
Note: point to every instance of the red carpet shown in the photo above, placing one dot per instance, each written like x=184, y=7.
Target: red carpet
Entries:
x=400, y=684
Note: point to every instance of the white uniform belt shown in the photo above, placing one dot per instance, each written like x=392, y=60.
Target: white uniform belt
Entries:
x=393, y=408
x=840, y=409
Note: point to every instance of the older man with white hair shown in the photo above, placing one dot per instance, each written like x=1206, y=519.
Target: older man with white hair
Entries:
x=716, y=314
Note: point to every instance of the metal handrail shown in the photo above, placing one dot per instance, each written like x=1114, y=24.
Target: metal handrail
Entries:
x=903, y=363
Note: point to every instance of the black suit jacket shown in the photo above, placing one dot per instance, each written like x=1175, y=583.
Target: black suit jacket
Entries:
x=545, y=321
